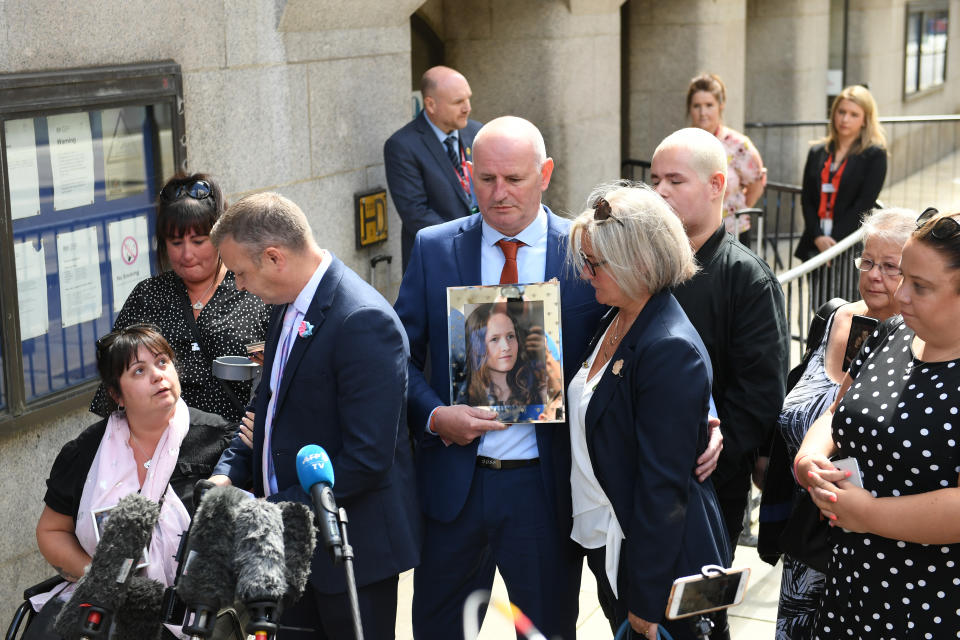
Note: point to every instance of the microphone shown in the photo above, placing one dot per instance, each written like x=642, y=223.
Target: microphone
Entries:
x=207, y=581
x=299, y=541
x=139, y=617
x=315, y=472
x=103, y=588
x=259, y=558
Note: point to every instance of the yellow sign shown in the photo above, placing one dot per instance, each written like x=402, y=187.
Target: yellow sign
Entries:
x=371, y=218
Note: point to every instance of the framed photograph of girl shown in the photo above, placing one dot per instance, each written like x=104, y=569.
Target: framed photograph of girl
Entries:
x=505, y=353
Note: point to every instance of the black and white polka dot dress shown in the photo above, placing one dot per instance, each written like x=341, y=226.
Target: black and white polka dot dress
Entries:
x=901, y=420
x=228, y=322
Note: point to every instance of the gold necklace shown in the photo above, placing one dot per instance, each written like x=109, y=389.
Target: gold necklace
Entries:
x=133, y=441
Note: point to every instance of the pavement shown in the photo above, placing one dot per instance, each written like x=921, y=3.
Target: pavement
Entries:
x=754, y=619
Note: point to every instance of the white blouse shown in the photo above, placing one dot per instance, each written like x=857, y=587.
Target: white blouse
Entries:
x=595, y=524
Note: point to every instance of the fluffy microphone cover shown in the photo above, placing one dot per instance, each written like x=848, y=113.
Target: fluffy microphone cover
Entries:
x=208, y=576
x=299, y=540
x=261, y=574
x=139, y=617
x=125, y=534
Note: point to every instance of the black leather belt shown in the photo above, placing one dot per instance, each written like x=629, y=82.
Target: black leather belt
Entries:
x=493, y=463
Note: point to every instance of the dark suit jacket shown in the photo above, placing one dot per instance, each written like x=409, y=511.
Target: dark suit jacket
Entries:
x=343, y=388
x=423, y=183
x=859, y=188
x=449, y=256
x=645, y=426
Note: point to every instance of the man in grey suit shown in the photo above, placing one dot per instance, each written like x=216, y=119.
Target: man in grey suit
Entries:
x=426, y=160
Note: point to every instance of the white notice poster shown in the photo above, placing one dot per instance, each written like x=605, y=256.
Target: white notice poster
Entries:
x=129, y=256
x=71, y=160
x=22, y=168
x=78, y=261
x=31, y=290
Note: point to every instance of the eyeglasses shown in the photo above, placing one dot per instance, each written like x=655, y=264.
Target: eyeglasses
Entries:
x=602, y=212
x=198, y=190
x=943, y=229
x=592, y=266
x=886, y=268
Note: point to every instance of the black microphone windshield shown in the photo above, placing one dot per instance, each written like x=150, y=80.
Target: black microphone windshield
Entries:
x=139, y=616
x=126, y=532
x=259, y=552
x=299, y=540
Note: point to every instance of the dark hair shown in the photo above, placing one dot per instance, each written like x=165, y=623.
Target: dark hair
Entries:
x=947, y=246
x=117, y=350
x=525, y=379
x=177, y=216
x=712, y=84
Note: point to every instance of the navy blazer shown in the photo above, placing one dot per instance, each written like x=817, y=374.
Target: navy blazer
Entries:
x=343, y=388
x=859, y=189
x=424, y=185
x=645, y=426
x=449, y=256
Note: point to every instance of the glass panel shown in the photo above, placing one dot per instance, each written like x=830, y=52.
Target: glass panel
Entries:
x=82, y=190
x=912, y=52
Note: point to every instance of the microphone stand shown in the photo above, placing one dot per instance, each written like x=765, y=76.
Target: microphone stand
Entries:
x=351, y=579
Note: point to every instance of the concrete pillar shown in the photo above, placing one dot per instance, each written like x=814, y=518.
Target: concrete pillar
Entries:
x=669, y=43
x=556, y=63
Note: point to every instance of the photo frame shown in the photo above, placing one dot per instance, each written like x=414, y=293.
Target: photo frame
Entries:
x=100, y=517
x=505, y=352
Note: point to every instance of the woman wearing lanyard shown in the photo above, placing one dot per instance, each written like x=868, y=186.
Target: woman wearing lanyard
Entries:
x=844, y=172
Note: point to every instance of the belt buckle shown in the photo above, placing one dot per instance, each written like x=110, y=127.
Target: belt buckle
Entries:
x=490, y=463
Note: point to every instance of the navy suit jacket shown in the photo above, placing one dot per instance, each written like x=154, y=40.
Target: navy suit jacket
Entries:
x=343, y=388
x=449, y=256
x=645, y=426
x=424, y=185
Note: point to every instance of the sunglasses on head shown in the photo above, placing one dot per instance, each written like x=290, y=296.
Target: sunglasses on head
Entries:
x=198, y=190
x=602, y=212
x=943, y=229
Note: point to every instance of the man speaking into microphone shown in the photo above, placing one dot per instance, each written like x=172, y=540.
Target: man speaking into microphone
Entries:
x=334, y=374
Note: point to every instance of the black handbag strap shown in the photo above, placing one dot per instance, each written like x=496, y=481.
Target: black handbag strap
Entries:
x=195, y=330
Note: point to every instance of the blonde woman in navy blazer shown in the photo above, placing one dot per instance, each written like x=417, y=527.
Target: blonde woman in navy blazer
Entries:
x=638, y=413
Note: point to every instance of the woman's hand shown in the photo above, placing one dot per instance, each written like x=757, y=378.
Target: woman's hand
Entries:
x=246, y=429
x=641, y=626
x=822, y=480
x=823, y=243
x=851, y=509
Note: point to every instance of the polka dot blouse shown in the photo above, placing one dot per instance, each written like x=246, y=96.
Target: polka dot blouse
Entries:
x=901, y=420
x=229, y=321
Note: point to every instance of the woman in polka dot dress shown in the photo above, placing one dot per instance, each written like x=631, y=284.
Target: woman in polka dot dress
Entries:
x=894, y=571
x=194, y=281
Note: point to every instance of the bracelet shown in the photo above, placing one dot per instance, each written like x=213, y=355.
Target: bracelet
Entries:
x=796, y=476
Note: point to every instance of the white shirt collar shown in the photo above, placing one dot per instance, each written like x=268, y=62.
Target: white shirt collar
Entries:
x=305, y=297
x=532, y=235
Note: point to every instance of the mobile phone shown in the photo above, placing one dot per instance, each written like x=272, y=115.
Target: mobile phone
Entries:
x=851, y=465
x=697, y=594
x=860, y=328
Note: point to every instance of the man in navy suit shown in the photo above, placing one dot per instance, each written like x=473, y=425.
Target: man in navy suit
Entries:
x=426, y=160
x=494, y=495
x=335, y=374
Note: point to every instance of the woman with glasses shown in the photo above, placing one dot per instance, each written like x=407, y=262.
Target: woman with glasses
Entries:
x=151, y=444
x=896, y=542
x=194, y=299
x=886, y=230
x=638, y=414
x=844, y=172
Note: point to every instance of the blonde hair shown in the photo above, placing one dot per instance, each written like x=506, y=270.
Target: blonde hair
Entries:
x=872, y=134
x=712, y=84
x=706, y=153
x=645, y=254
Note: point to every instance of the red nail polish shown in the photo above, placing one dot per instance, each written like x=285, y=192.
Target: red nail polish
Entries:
x=833, y=498
x=847, y=474
x=832, y=517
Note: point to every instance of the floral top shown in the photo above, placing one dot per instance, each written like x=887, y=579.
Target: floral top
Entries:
x=744, y=167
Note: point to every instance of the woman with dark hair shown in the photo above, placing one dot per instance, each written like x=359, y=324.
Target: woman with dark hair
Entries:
x=151, y=444
x=746, y=177
x=844, y=172
x=500, y=371
x=194, y=299
x=896, y=541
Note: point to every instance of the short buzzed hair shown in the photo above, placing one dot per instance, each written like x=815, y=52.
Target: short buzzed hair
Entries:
x=516, y=127
x=263, y=220
x=707, y=155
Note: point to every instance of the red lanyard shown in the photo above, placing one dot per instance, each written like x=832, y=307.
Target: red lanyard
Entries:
x=828, y=197
x=462, y=174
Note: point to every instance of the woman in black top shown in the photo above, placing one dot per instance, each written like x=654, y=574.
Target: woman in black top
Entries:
x=194, y=300
x=844, y=173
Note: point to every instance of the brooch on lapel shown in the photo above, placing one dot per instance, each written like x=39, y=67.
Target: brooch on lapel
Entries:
x=305, y=329
x=617, y=367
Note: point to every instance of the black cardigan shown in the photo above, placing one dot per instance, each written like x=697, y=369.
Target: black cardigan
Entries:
x=858, y=191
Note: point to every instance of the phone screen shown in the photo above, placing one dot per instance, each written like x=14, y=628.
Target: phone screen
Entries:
x=707, y=594
x=860, y=328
